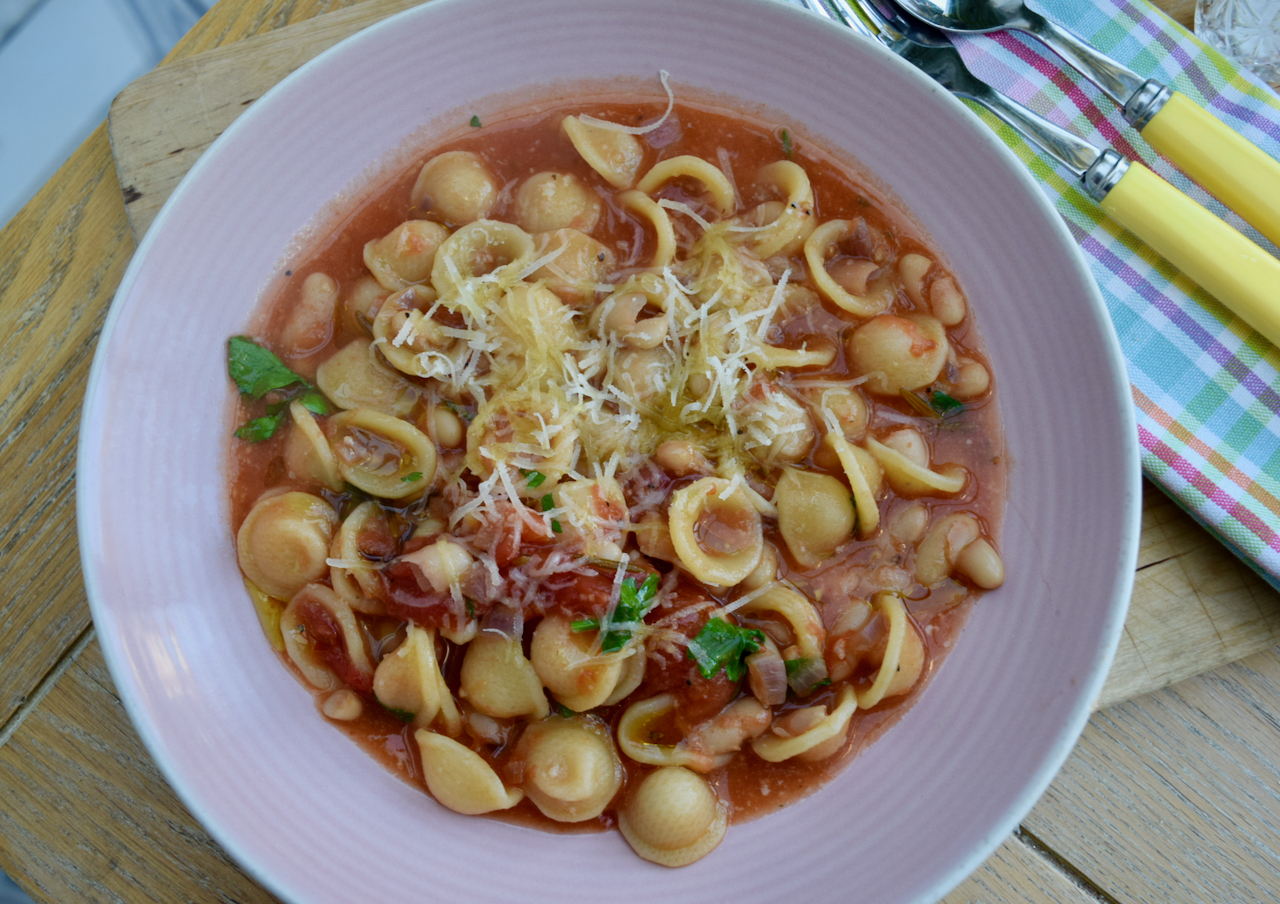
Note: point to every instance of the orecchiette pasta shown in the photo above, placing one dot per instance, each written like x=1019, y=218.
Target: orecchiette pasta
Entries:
x=632, y=469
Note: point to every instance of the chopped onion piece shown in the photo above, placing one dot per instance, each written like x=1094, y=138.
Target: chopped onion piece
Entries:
x=807, y=674
x=767, y=677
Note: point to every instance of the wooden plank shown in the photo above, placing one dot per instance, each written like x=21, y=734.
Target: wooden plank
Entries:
x=60, y=259
x=77, y=756
x=1193, y=609
x=1019, y=874
x=162, y=122
x=1175, y=796
x=78, y=753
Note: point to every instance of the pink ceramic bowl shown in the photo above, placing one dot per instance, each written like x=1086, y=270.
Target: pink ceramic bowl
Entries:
x=306, y=811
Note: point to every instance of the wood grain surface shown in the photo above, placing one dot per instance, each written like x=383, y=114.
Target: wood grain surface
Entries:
x=1170, y=796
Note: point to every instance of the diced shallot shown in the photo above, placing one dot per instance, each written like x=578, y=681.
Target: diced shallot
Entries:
x=505, y=620
x=767, y=677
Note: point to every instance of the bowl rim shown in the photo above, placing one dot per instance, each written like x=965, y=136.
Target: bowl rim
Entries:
x=88, y=510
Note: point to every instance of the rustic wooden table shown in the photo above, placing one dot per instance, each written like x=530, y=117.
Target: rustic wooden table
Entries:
x=1171, y=795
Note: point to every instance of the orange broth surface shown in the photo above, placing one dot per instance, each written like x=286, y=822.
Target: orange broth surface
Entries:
x=521, y=146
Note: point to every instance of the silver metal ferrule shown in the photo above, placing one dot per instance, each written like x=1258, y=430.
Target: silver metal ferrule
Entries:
x=1146, y=102
x=1103, y=175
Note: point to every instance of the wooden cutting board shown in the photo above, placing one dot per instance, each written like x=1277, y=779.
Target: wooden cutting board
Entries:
x=1195, y=607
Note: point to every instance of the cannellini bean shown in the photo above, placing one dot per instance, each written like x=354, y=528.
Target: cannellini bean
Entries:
x=911, y=443
x=343, y=705
x=681, y=458
x=447, y=428
x=616, y=319
x=908, y=523
x=737, y=723
x=442, y=563
x=310, y=323
x=946, y=301
x=912, y=269
x=653, y=536
x=970, y=380
x=980, y=563
x=939, y=551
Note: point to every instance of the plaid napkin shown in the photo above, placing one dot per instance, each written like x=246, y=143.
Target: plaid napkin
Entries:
x=1205, y=385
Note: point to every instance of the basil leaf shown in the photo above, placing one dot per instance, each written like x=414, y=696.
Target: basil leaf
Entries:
x=315, y=403
x=256, y=370
x=720, y=645
x=260, y=428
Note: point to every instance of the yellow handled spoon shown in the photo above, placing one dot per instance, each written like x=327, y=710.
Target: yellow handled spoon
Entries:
x=1225, y=263
x=1240, y=174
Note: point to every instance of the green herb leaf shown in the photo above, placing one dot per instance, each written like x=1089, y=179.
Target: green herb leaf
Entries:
x=932, y=403
x=720, y=645
x=257, y=370
x=786, y=143
x=260, y=428
x=565, y=711
x=556, y=526
x=410, y=478
x=534, y=479
x=461, y=412
x=402, y=714
x=634, y=603
x=471, y=607
x=548, y=503
x=315, y=403
x=475, y=122
x=944, y=404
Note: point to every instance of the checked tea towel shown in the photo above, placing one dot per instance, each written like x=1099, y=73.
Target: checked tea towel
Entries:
x=1205, y=386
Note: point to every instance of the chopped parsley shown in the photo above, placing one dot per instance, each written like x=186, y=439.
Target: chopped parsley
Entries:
x=533, y=479
x=786, y=143
x=475, y=122
x=548, y=503
x=461, y=412
x=720, y=645
x=556, y=526
x=932, y=403
x=402, y=714
x=410, y=478
x=944, y=404
x=634, y=603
